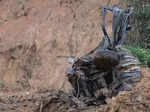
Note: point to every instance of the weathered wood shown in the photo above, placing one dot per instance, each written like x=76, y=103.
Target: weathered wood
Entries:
x=107, y=69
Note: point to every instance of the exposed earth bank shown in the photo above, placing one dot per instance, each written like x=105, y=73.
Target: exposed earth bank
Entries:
x=33, y=34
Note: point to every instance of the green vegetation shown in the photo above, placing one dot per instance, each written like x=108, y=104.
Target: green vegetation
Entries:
x=143, y=12
x=142, y=54
x=140, y=21
x=143, y=20
x=138, y=40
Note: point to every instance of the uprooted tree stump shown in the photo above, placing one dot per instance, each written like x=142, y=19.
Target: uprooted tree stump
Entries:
x=107, y=69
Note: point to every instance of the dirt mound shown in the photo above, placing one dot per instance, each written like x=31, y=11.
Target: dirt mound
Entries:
x=45, y=100
x=41, y=101
x=137, y=100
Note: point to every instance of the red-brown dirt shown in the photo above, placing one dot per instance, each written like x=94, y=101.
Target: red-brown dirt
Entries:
x=33, y=33
x=55, y=28
x=45, y=100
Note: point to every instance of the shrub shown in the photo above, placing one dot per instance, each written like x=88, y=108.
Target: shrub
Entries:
x=140, y=21
x=142, y=54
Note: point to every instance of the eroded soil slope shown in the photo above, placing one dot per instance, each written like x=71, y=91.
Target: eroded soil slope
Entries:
x=33, y=33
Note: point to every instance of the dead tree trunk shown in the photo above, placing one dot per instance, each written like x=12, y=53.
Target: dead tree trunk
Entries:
x=107, y=69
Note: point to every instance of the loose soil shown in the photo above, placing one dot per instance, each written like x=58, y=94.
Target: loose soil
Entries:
x=33, y=34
